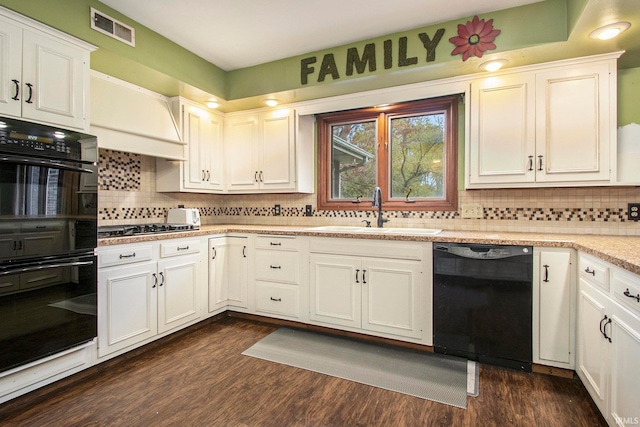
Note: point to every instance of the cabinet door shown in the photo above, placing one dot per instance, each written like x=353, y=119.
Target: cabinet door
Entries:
x=10, y=68
x=390, y=296
x=9, y=244
x=213, y=152
x=241, y=153
x=218, y=274
x=335, y=290
x=573, y=124
x=177, y=292
x=625, y=369
x=555, y=308
x=127, y=306
x=238, y=270
x=502, y=138
x=55, y=71
x=277, y=151
x=592, y=345
x=195, y=167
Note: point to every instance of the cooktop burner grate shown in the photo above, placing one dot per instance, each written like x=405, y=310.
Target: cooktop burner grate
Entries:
x=136, y=229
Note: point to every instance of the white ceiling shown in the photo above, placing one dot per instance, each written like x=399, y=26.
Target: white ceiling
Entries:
x=236, y=34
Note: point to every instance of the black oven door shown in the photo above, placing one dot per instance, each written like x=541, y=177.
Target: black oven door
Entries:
x=47, y=207
x=46, y=307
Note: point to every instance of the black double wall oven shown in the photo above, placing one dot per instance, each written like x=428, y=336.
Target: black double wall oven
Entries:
x=48, y=236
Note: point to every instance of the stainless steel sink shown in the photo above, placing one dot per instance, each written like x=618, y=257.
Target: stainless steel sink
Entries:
x=376, y=230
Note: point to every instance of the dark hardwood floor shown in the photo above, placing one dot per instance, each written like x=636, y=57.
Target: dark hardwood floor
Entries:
x=200, y=378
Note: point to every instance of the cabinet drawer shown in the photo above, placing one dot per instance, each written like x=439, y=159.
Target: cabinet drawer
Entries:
x=594, y=271
x=277, y=266
x=124, y=255
x=283, y=243
x=179, y=247
x=626, y=290
x=9, y=283
x=274, y=298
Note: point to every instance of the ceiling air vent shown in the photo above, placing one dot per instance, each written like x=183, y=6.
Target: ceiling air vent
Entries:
x=113, y=28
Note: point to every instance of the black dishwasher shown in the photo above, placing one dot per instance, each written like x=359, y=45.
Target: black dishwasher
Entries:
x=482, y=303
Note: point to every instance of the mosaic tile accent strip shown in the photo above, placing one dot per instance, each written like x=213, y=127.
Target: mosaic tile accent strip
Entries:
x=509, y=214
x=118, y=171
x=156, y=214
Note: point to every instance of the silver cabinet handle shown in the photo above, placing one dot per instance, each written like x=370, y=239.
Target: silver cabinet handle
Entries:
x=275, y=267
x=364, y=280
x=530, y=168
x=357, y=271
x=185, y=248
x=275, y=244
x=214, y=253
x=161, y=277
x=133, y=255
x=276, y=299
x=155, y=280
x=539, y=163
x=589, y=271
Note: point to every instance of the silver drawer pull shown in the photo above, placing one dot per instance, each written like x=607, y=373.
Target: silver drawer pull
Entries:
x=186, y=248
x=275, y=267
x=275, y=244
x=133, y=255
x=276, y=299
x=589, y=271
x=630, y=295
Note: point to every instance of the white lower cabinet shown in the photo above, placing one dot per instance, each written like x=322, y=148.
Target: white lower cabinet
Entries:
x=375, y=294
x=554, y=307
x=145, y=290
x=277, y=276
x=608, y=341
x=228, y=272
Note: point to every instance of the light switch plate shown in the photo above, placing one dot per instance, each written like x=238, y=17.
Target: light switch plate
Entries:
x=472, y=211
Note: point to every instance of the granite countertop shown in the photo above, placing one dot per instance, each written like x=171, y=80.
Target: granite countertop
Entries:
x=621, y=251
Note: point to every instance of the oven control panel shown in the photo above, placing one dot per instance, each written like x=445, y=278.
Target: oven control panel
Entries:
x=25, y=144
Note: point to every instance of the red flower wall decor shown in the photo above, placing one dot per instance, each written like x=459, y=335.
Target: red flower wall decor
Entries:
x=474, y=38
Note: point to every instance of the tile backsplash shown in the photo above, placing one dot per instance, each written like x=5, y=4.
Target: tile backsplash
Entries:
x=127, y=195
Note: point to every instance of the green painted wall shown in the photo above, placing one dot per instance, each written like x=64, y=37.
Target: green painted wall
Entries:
x=628, y=96
x=546, y=22
x=155, y=63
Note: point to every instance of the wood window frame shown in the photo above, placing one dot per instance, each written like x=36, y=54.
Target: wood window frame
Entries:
x=449, y=202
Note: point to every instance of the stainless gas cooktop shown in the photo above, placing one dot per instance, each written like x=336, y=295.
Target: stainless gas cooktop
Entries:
x=137, y=229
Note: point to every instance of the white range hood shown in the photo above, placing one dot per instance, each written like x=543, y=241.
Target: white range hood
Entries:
x=132, y=119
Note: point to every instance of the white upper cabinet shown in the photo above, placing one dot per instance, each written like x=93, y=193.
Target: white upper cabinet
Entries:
x=549, y=126
x=502, y=130
x=260, y=150
x=573, y=123
x=44, y=73
x=202, y=131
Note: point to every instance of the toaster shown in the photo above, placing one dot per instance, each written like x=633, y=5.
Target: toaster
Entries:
x=184, y=216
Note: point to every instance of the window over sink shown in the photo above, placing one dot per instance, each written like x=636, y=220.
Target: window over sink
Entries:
x=409, y=150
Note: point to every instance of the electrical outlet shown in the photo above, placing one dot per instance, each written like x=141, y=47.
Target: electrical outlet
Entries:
x=633, y=211
x=276, y=210
x=472, y=211
x=308, y=210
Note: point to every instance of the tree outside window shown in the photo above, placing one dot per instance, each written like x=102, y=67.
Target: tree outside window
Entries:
x=409, y=150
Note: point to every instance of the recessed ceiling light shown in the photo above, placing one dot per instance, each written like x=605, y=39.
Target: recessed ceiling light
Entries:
x=610, y=31
x=494, y=65
x=271, y=102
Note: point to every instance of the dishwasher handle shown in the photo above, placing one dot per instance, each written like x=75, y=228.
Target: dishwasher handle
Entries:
x=481, y=251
